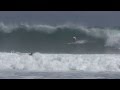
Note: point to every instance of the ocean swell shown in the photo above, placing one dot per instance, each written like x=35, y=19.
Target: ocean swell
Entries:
x=37, y=35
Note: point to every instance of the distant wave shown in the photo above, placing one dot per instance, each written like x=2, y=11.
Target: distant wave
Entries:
x=60, y=62
x=58, y=35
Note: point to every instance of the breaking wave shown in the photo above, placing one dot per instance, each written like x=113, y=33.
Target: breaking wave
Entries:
x=56, y=37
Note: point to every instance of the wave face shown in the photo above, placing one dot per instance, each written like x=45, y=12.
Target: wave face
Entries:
x=60, y=62
x=58, y=39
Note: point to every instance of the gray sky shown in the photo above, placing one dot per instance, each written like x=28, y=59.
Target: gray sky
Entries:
x=90, y=18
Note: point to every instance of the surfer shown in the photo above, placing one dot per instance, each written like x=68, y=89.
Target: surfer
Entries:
x=74, y=38
x=31, y=54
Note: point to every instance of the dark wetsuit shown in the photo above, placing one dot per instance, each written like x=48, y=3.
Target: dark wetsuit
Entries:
x=74, y=39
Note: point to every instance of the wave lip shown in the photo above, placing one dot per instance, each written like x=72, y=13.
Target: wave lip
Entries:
x=60, y=62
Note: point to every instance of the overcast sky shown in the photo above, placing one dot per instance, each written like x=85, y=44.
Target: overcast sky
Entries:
x=90, y=18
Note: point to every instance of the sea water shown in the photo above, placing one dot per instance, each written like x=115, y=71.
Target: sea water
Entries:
x=94, y=54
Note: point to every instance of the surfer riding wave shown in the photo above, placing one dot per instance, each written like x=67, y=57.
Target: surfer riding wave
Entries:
x=76, y=41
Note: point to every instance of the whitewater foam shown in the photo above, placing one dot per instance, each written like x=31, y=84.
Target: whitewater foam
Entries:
x=60, y=62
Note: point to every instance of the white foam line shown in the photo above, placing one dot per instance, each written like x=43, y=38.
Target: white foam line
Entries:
x=60, y=62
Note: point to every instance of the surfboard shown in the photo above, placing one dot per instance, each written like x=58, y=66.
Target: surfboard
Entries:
x=79, y=42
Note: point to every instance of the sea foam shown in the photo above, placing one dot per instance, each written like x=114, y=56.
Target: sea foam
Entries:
x=60, y=62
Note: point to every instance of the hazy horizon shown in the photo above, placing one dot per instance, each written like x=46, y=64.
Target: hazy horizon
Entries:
x=89, y=18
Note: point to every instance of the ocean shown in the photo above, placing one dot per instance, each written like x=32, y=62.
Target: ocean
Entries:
x=56, y=54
